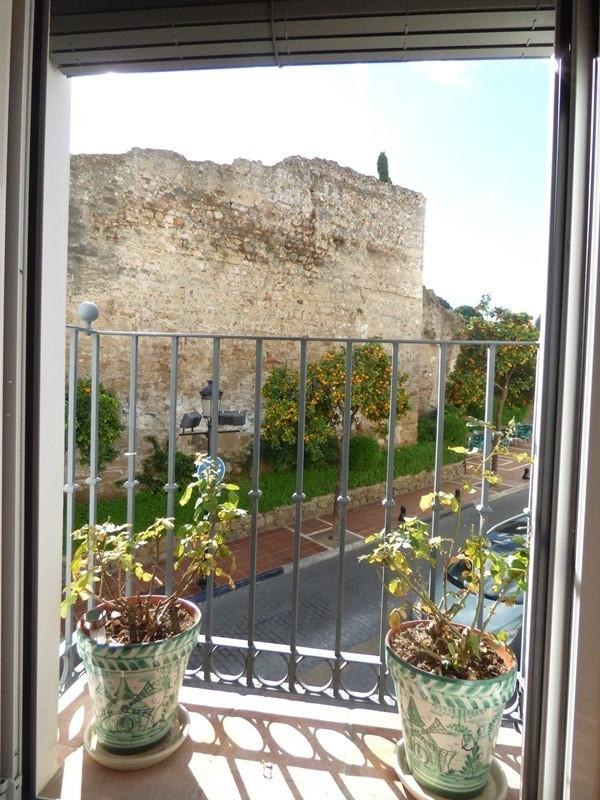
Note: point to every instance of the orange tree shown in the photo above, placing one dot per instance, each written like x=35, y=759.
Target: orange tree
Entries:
x=110, y=426
x=325, y=389
x=515, y=366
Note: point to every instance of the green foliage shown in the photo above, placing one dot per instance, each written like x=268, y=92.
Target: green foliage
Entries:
x=515, y=366
x=516, y=413
x=278, y=486
x=426, y=427
x=407, y=554
x=105, y=554
x=364, y=452
x=455, y=426
x=110, y=426
x=371, y=376
x=468, y=312
x=154, y=474
x=383, y=170
x=443, y=303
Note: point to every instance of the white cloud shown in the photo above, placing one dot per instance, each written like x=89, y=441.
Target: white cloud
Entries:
x=446, y=73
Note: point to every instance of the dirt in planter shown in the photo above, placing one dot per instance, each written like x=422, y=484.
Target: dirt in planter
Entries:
x=426, y=647
x=136, y=624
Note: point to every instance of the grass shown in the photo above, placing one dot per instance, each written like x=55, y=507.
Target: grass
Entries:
x=277, y=487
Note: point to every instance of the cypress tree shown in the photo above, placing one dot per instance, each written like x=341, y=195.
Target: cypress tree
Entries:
x=383, y=168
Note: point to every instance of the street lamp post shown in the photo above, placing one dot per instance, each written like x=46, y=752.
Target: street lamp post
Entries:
x=192, y=420
x=206, y=394
x=190, y=423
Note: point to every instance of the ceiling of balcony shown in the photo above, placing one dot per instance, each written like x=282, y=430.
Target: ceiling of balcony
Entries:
x=92, y=36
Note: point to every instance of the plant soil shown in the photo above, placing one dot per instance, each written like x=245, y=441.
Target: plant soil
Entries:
x=423, y=646
x=133, y=628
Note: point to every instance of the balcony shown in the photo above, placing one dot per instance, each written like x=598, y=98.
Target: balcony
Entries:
x=287, y=690
x=255, y=747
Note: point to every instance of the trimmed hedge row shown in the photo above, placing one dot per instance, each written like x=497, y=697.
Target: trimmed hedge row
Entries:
x=367, y=468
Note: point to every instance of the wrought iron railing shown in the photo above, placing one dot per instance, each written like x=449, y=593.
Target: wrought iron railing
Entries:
x=244, y=649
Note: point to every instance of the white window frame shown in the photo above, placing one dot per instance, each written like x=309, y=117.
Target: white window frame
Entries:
x=563, y=695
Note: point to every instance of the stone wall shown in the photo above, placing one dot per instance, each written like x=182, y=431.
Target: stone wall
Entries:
x=441, y=324
x=304, y=247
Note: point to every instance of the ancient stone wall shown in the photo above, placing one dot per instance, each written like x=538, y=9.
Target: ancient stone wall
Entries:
x=304, y=247
x=439, y=323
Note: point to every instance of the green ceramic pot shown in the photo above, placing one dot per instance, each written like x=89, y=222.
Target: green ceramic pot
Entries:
x=134, y=688
x=449, y=726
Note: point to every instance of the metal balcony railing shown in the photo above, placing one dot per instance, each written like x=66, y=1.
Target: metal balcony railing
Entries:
x=256, y=656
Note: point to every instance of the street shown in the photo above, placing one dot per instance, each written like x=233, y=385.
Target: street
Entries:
x=317, y=609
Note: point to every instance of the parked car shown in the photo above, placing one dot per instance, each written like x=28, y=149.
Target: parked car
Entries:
x=509, y=534
x=505, y=537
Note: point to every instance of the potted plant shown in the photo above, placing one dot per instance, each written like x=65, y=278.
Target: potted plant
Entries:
x=135, y=647
x=452, y=680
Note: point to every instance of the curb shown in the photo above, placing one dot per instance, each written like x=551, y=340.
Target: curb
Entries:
x=239, y=584
x=332, y=552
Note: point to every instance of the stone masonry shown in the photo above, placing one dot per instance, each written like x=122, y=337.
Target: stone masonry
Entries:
x=440, y=324
x=304, y=247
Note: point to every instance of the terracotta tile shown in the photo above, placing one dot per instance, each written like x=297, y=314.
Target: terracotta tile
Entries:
x=313, y=525
x=326, y=540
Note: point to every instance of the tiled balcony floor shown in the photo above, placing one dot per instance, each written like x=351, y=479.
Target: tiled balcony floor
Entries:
x=254, y=747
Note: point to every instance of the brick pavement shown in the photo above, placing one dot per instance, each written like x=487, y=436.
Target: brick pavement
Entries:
x=275, y=547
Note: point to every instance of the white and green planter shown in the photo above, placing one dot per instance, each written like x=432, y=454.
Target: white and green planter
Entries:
x=134, y=688
x=449, y=726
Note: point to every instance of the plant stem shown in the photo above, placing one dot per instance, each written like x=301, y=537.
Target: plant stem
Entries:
x=478, y=622
x=490, y=614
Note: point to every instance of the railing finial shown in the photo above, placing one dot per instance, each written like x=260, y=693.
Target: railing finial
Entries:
x=88, y=312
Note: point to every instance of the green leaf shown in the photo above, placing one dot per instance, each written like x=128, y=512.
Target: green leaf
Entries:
x=397, y=586
x=523, y=458
x=396, y=617
x=492, y=478
x=186, y=496
x=427, y=501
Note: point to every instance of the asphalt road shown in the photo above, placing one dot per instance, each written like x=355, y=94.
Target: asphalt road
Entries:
x=361, y=609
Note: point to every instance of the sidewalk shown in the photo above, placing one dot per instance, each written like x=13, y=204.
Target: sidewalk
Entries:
x=275, y=547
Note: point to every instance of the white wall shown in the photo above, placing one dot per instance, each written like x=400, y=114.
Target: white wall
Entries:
x=52, y=393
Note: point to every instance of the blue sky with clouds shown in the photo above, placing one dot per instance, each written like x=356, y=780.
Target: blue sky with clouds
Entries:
x=472, y=137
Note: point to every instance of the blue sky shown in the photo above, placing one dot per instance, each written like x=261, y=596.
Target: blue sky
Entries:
x=472, y=137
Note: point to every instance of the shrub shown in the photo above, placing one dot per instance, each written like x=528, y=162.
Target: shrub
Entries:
x=154, y=474
x=277, y=487
x=455, y=427
x=518, y=413
x=283, y=454
x=364, y=452
x=279, y=454
x=426, y=427
x=110, y=426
